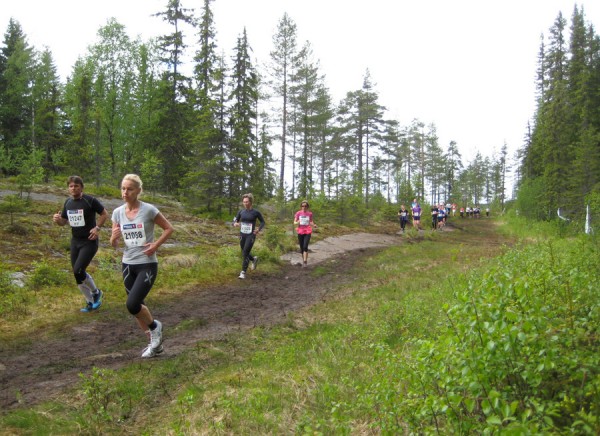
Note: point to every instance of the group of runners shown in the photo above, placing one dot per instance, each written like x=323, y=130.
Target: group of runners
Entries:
x=439, y=214
x=134, y=223
x=473, y=212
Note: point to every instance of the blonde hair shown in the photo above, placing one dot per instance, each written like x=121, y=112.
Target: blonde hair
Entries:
x=133, y=178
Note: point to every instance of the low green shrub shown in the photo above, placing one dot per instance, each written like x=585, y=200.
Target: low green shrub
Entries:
x=519, y=353
x=44, y=274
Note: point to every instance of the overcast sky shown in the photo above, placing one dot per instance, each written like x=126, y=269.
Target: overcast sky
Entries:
x=468, y=66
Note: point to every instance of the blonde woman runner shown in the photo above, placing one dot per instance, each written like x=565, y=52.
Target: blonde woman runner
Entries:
x=134, y=222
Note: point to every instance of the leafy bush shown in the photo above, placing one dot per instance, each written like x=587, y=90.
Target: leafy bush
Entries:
x=276, y=239
x=12, y=204
x=107, y=401
x=104, y=191
x=13, y=303
x=519, y=355
x=6, y=286
x=529, y=200
x=44, y=275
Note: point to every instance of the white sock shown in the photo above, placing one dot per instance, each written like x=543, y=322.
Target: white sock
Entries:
x=86, y=291
x=89, y=281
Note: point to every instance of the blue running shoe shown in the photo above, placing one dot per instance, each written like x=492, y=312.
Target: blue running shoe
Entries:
x=97, y=300
x=88, y=307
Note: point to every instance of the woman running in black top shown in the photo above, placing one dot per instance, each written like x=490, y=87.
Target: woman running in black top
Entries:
x=403, y=216
x=246, y=221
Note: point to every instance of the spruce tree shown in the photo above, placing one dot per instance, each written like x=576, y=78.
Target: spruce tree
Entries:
x=208, y=134
x=245, y=168
x=47, y=95
x=17, y=63
x=282, y=67
x=174, y=100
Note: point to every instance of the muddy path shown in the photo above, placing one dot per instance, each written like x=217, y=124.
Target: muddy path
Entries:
x=42, y=368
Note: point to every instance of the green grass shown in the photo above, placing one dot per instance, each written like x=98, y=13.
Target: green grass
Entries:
x=455, y=334
x=302, y=377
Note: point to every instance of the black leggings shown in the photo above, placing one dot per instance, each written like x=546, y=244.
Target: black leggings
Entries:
x=82, y=253
x=303, y=241
x=138, y=280
x=246, y=244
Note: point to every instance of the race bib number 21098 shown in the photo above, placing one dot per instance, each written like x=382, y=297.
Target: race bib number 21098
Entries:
x=134, y=234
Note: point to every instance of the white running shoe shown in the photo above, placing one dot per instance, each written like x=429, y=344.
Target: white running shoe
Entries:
x=156, y=335
x=242, y=275
x=253, y=263
x=152, y=352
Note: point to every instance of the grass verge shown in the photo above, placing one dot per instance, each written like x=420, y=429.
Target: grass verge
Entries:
x=316, y=374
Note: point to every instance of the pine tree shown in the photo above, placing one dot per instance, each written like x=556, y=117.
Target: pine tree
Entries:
x=453, y=168
x=582, y=89
x=16, y=76
x=245, y=170
x=323, y=132
x=79, y=106
x=208, y=134
x=307, y=99
x=362, y=123
x=46, y=94
x=282, y=56
x=435, y=164
x=562, y=155
x=174, y=100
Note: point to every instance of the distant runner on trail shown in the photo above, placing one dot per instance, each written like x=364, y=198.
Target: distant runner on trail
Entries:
x=434, y=217
x=134, y=222
x=441, y=217
x=246, y=220
x=403, y=216
x=79, y=212
x=416, y=213
x=304, y=220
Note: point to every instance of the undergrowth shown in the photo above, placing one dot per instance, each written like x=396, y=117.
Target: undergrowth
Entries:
x=517, y=354
x=433, y=338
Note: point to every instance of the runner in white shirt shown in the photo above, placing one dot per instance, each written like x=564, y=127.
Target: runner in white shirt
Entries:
x=134, y=223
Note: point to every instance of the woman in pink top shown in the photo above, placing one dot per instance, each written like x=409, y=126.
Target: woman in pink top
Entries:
x=304, y=220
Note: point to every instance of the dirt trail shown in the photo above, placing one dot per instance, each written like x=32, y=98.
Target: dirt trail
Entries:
x=334, y=246
x=36, y=371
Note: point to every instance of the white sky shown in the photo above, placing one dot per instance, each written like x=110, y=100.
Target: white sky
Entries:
x=468, y=66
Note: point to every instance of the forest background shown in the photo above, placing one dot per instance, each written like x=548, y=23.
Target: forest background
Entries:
x=430, y=336
x=208, y=136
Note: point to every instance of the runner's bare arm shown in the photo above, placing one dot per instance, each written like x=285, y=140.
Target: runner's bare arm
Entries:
x=115, y=235
x=168, y=229
x=58, y=219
